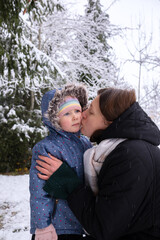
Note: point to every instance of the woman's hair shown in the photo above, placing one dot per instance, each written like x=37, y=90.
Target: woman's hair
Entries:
x=112, y=103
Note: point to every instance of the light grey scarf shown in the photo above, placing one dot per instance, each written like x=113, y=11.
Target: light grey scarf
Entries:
x=94, y=158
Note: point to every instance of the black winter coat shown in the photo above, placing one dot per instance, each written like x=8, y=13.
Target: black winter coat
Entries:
x=128, y=203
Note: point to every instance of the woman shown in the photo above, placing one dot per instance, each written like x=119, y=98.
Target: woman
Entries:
x=126, y=203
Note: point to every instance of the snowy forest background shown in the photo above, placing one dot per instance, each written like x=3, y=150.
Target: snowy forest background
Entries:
x=44, y=46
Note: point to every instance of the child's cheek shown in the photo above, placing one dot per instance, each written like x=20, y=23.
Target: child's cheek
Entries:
x=64, y=123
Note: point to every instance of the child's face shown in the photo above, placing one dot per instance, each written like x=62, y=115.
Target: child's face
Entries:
x=71, y=121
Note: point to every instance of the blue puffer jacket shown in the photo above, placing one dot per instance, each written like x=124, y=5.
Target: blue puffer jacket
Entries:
x=68, y=147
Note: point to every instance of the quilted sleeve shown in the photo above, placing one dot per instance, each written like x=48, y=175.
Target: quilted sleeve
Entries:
x=41, y=203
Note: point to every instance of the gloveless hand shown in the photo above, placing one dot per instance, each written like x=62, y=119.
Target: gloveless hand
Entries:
x=48, y=166
x=48, y=233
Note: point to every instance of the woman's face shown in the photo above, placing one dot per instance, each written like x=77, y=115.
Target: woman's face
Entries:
x=92, y=119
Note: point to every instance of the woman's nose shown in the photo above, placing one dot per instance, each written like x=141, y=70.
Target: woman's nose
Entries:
x=84, y=115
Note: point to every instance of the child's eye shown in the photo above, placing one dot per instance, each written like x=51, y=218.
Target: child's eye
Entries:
x=77, y=111
x=66, y=114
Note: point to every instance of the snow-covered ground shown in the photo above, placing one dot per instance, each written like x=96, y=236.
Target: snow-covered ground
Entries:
x=14, y=208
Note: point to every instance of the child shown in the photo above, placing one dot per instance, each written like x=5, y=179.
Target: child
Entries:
x=61, y=111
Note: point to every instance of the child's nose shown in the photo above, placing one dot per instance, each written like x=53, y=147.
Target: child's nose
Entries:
x=75, y=116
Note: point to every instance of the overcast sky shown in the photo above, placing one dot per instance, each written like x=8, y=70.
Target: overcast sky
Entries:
x=129, y=13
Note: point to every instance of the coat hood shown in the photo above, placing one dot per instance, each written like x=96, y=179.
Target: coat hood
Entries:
x=52, y=100
x=47, y=97
x=134, y=123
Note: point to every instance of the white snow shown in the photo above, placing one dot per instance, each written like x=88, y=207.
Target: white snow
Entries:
x=14, y=208
x=11, y=113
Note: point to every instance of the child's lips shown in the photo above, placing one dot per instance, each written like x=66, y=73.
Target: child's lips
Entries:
x=76, y=124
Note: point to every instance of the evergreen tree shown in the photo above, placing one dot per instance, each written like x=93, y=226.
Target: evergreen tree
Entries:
x=26, y=72
x=102, y=71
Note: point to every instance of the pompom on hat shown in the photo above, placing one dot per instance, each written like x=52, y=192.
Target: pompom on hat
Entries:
x=77, y=93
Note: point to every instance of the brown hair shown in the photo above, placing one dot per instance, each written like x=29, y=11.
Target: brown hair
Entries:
x=112, y=103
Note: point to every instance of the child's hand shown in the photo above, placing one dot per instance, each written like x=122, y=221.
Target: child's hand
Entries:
x=48, y=166
x=47, y=233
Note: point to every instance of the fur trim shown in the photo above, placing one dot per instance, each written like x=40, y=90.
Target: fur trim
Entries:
x=70, y=90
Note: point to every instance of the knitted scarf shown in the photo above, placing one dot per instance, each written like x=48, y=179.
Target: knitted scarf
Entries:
x=94, y=158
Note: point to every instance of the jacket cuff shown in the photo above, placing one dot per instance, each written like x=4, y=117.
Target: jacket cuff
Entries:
x=62, y=182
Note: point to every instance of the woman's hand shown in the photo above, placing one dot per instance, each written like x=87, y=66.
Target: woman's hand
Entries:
x=48, y=167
